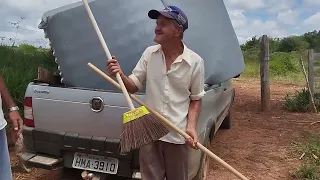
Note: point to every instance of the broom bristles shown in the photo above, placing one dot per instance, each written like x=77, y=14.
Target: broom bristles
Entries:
x=141, y=131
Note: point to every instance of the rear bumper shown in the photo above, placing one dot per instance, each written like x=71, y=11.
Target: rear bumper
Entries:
x=56, y=148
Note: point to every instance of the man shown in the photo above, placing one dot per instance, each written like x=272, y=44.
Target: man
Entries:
x=174, y=79
x=17, y=123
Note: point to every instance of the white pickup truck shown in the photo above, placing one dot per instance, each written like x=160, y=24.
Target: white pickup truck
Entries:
x=76, y=121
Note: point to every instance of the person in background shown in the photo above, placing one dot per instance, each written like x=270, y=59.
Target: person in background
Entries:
x=17, y=124
x=174, y=79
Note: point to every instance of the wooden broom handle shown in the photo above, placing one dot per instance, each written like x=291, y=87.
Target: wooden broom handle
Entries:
x=185, y=135
x=106, y=50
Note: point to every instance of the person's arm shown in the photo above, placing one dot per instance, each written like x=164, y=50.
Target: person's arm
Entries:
x=113, y=67
x=134, y=82
x=14, y=116
x=197, y=91
x=8, y=102
x=193, y=113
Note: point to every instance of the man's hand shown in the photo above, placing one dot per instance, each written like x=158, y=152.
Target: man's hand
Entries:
x=17, y=122
x=192, y=142
x=113, y=67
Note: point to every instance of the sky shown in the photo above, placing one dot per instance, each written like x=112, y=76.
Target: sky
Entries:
x=275, y=18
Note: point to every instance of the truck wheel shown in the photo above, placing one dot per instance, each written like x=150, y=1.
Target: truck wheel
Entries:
x=226, y=123
x=204, y=166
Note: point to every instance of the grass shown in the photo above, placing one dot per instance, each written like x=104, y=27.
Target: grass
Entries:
x=310, y=169
x=307, y=172
x=284, y=67
x=18, y=66
x=299, y=101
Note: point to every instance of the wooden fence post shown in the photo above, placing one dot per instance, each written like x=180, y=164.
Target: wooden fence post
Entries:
x=310, y=73
x=264, y=74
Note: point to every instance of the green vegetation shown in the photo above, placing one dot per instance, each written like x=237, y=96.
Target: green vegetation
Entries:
x=307, y=172
x=310, y=149
x=285, y=56
x=309, y=40
x=285, y=64
x=18, y=66
x=299, y=101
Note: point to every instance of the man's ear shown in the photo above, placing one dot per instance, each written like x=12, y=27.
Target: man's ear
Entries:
x=180, y=30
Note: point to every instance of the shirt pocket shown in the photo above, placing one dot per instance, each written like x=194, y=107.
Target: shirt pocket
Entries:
x=180, y=80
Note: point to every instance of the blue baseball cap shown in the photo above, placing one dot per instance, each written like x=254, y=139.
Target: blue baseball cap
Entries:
x=171, y=12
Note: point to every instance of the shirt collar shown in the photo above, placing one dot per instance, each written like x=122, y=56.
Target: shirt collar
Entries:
x=184, y=56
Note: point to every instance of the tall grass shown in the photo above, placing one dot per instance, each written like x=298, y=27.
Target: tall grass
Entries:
x=18, y=66
x=282, y=66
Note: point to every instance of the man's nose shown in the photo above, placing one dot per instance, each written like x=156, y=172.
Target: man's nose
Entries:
x=157, y=28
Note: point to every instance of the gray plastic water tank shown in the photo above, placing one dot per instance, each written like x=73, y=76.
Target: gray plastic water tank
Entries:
x=128, y=31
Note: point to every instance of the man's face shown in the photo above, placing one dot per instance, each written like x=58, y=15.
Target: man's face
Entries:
x=166, y=30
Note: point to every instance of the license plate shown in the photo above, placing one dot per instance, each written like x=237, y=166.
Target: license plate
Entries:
x=95, y=163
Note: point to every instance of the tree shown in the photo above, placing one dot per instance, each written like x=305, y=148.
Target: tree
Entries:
x=313, y=38
x=293, y=43
x=253, y=43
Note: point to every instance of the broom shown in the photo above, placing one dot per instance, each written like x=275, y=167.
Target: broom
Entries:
x=140, y=127
x=171, y=125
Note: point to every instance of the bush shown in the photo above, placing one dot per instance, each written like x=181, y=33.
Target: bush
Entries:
x=299, y=101
x=283, y=64
x=251, y=56
x=18, y=66
x=252, y=70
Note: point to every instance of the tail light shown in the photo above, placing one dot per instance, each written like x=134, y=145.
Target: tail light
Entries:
x=28, y=115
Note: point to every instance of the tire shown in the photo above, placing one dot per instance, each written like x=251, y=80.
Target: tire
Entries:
x=226, y=123
x=204, y=166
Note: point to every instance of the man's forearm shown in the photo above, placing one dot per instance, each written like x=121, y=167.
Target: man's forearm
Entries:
x=130, y=86
x=193, y=113
x=5, y=94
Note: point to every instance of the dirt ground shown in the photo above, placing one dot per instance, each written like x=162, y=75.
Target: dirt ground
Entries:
x=258, y=145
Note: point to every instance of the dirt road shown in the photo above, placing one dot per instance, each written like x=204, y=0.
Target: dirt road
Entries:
x=258, y=144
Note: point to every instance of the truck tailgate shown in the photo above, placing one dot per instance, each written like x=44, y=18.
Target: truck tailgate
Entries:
x=79, y=110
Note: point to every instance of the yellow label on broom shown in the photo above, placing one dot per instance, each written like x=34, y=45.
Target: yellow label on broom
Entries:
x=135, y=114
